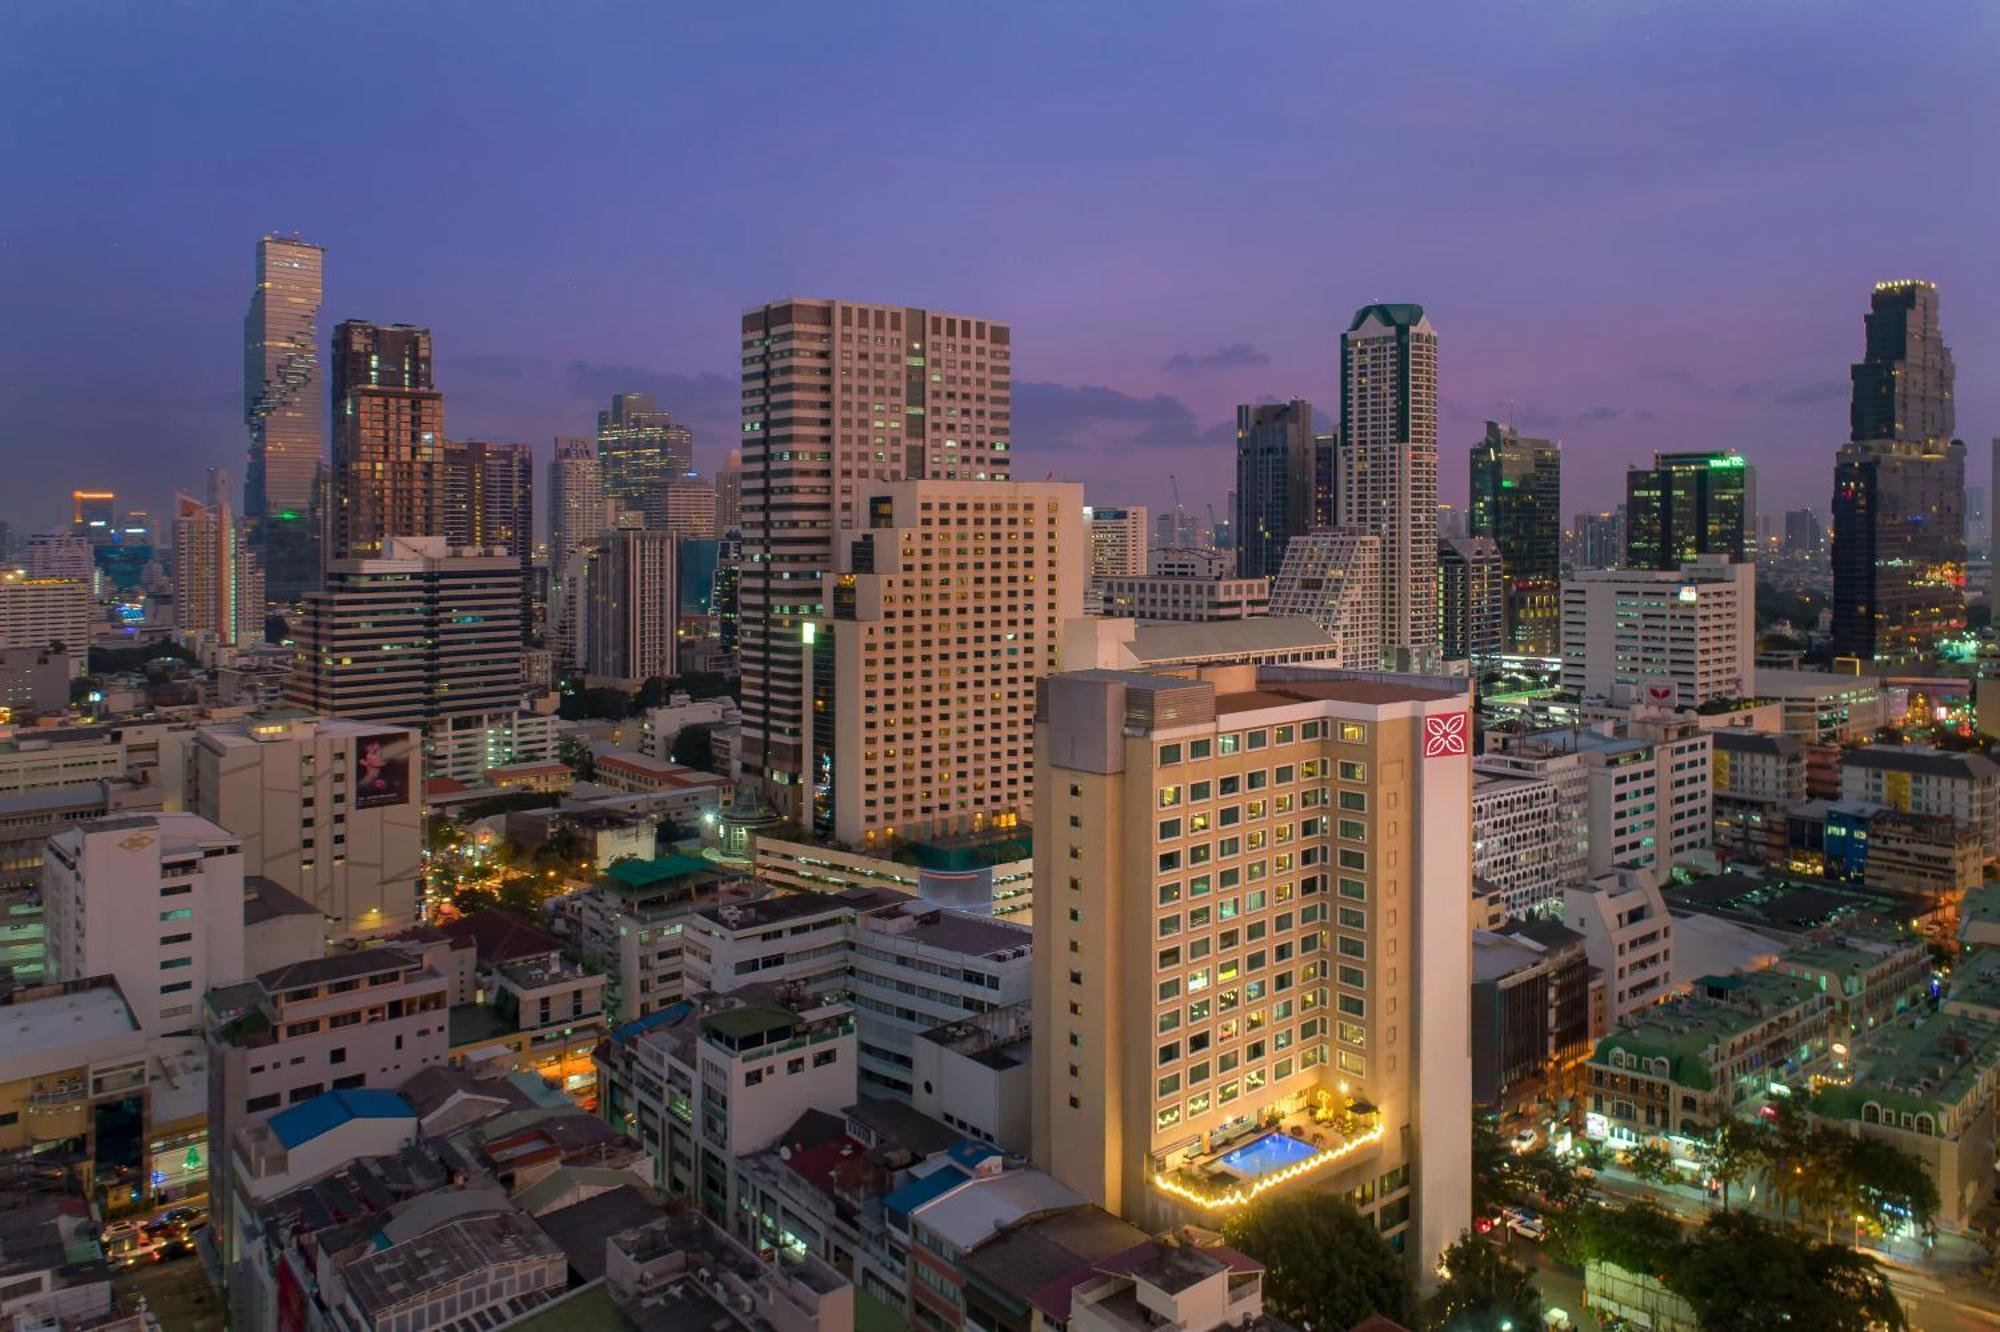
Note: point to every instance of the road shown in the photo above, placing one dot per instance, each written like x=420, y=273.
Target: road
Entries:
x=1940, y=1294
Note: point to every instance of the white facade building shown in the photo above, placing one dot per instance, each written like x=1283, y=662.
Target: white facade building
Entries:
x=1918, y=779
x=1117, y=540
x=1664, y=638
x=1188, y=600
x=153, y=900
x=1629, y=936
x=35, y=612
x=1649, y=792
x=1529, y=835
x=1334, y=578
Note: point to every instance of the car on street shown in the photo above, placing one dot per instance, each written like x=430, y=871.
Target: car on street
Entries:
x=1525, y=1223
x=1524, y=1141
x=176, y=1219
x=173, y=1249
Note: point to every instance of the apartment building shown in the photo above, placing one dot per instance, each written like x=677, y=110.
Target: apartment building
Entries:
x=1918, y=779
x=36, y=612
x=1254, y=889
x=1648, y=792
x=1529, y=833
x=1759, y=778
x=1333, y=577
x=1629, y=937
x=941, y=613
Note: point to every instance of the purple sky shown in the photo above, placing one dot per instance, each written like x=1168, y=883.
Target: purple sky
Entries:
x=1645, y=225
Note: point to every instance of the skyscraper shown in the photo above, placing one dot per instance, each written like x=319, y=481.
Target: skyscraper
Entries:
x=1326, y=480
x=729, y=492
x=282, y=488
x=1899, y=487
x=1187, y=979
x=1274, y=483
x=1517, y=501
x=489, y=496
x=949, y=746
x=1903, y=382
x=218, y=589
x=1684, y=505
x=388, y=439
x=576, y=501
x=683, y=505
x=838, y=396
x=1388, y=466
x=631, y=602
x=1471, y=598
x=640, y=446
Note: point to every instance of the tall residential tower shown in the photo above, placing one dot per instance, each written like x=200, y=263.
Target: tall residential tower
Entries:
x=281, y=406
x=388, y=439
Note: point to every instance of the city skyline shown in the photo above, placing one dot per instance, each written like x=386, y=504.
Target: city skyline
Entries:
x=543, y=320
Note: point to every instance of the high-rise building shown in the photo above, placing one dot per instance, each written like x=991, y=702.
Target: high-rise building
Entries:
x=1684, y=505
x=417, y=635
x=36, y=612
x=1899, y=487
x=576, y=518
x=1805, y=539
x=1662, y=638
x=1898, y=547
x=56, y=554
x=640, y=446
x=94, y=513
x=489, y=497
x=388, y=439
x=1333, y=577
x=154, y=900
x=1471, y=599
x=1117, y=540
x=729, y=493
x=837, y=397
x=1388, y=466
x=283, y=486
x=1903, y=382
x=1275, y=454
x=630, y=604
x=1326, y=480
x=949, y=605
x=682, y=505
x=1597, y=540
x=218, y=587
x=1517, y=501
x=1204, y=958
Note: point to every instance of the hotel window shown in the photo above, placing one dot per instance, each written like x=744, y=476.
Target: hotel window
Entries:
x=1352, y=919
x=1169, y=796
x=1168, y=1117
x=1169, y=989
x=1197, y=791
x=1281, y=735
x=1353, y=1006
x=1170, y=829
x=1169, y=1020
x=1198, y=886
x=1351, y=859
x=1227, y=744
x=1169, y=893
x=1354, y=830
x=1169, y=957
x=1354, y=733
x=1353, y=976
x=1169, y=754
x=1257, y=739
x=1354, y=801
x=1198, y=749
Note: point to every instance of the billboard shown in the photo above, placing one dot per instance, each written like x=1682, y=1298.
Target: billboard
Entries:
x=382, y=770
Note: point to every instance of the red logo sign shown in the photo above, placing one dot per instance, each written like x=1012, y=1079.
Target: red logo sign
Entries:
x=1660, y=693
x=1444, y=736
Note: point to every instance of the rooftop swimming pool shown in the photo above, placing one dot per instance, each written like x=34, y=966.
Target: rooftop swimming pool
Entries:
x=1273, y=1151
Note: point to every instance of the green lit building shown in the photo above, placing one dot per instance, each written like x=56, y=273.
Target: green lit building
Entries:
x=1688, y=504
x=1517, y=501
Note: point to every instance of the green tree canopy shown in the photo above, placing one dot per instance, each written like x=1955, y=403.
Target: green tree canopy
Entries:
x=1740, y=1274
x=695, y=746
x=1324, y=1263
x=1482, y=1289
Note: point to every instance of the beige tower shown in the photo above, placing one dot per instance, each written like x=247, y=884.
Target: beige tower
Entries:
x=1251, y=954
x=1388, y=467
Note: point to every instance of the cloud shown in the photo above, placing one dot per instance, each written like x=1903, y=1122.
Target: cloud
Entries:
x=703, y=394
x=1231, y=357
x=1600, y=415
x=1097, y=419
x=1751, y=392
x=1667, y=374
x=1825, y=390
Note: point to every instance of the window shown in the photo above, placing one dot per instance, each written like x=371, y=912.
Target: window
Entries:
x=1227, y=744
x=1198, y=749
x=1355, y=889
x=1354, y=733
x=1169, y=754
x=1354, y=801
x=1353, y=772
x=1169, y=829
x=1354, y=830
x=1169, y=893
x=1257, y=739
x=1169, y=796
x=259, y=1103
x=178, y=913
x=173, y=963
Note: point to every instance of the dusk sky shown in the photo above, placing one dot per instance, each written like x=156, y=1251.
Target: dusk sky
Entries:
x=1634, y=225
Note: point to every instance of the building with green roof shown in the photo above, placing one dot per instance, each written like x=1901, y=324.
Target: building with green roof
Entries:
x=1871, y=976
x=1927, y=1088
x=1678, y=1068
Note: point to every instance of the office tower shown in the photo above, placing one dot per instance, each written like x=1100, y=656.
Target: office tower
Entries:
x=489, y=497
x=1117, y=541
x=153, y=900
x=1902, y=386
x=576, y=518
x=1805, y=539
x=724, y=599
x=1898, y=547
x=630, y=601
x=1388, y=466
x=329, y=809
x=282, y=487
x=1598, y=540
x=218, y=588
x=94, y=513
x=729, y=493
x=1471, y=599
x=388, y=439
x=837, y=397
x=1517, y=501
x=1274, y=483
x=1326, y=480
x=1205, y=958
x=949, y=604
x=1661, y=637
x=1334, y=578
x=1899, y=487
x=682, y=505
x=640, y=446
x=417, y=635
x=1684, y=505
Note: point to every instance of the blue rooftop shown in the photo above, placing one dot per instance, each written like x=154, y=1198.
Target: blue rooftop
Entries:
x=665, y=1017
x=924, y=1189
x=322, y=1114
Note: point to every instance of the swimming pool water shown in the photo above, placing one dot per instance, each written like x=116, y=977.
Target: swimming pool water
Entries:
x=1273, y=1151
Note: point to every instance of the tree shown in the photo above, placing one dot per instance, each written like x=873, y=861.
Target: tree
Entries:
x=1732, y=1154
x=1650, y=1164
x=695, y=746
x=1324, y=1263
x=575, y=751
x=1890, y=1185
x=1481, y=1289
x=1742, y=1273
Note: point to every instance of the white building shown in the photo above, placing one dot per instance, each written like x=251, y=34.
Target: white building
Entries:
x=1197, y=600
x=35, y=612
x=1117, y=540
x=153, y=900
x=1189, y=562
x=941, y=614
x=662, y=726
x=329, y=810
x=1649, y=793
x=1333, y=577
x=1101, y=642
x=1529, y=833
x=467, y=748
x=1630, y=938
x=1661, y=637
x=1821, y=708
x=1921, y=780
